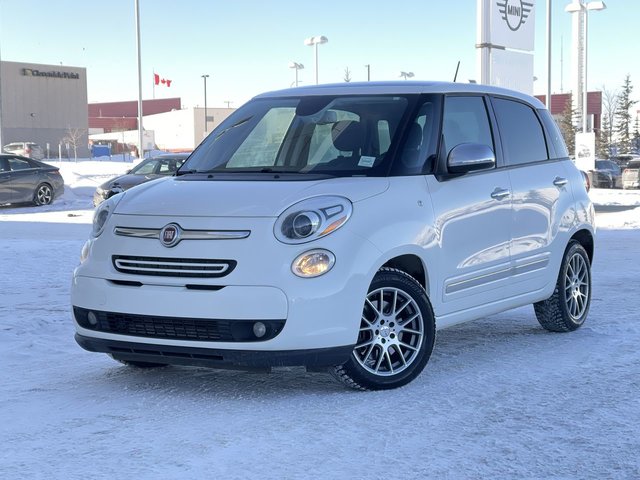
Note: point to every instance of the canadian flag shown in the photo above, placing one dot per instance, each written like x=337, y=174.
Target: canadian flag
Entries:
x=157, y=80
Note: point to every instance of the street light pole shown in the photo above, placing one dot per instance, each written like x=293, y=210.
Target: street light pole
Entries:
x=297, y=66
x=315, y=41
x=549, y=55
x=140, y=139
x=204, y=77
x=368, y=72
x=581, y=8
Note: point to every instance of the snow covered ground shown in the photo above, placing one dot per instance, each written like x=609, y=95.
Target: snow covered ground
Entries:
x=500, y=398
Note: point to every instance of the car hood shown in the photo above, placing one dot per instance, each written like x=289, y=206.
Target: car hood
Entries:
x=174, y=196
x=127, y=181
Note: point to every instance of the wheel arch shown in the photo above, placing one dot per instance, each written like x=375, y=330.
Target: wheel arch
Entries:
x=585, y=238
x=411, y=264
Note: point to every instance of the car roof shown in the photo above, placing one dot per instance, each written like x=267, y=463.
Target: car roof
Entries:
x=169, y=156
x=400, y=88
x=10, y=155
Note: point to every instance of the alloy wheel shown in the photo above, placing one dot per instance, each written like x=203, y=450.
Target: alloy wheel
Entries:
x=576, y=286
x=391, y=332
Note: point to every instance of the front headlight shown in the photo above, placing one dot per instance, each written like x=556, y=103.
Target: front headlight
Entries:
x=102, y=214
x=312, y=218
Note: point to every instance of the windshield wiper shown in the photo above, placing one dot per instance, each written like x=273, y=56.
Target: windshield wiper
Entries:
x=275, y=170
x=186, y=172
x=237, y=124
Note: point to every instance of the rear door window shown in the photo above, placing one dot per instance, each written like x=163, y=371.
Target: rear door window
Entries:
x=522, y=136
x=19, y=164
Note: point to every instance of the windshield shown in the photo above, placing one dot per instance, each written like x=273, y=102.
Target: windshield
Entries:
x=158, y=166
x=338, y=136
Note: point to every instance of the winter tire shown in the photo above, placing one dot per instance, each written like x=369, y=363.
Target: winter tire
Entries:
x=567, y=309
x=43, y=195
x=396, y=337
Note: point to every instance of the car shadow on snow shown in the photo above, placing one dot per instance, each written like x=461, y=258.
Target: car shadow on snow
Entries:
x=476, y=348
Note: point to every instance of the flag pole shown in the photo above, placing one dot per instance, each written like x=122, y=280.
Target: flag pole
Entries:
x=140, y=141
x=154, y=83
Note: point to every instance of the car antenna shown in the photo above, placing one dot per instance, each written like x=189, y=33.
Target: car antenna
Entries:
x=456, y=75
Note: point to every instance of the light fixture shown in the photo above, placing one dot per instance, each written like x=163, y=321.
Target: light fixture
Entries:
x=314, y=42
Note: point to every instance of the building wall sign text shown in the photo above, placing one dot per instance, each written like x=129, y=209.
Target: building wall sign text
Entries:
x=31, y=72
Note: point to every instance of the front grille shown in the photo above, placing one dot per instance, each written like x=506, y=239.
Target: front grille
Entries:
x=173, y=267
x=176, y=328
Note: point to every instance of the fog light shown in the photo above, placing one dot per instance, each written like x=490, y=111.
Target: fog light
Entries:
x=92, y=319
x=313, y=263
x=259, y=329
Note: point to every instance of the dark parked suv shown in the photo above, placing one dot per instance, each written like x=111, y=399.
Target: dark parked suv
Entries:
x=607, y=174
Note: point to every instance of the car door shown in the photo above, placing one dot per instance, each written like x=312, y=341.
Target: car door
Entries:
x=472, y=216
x=24, y=179
x=5, y=182
x=541, y=195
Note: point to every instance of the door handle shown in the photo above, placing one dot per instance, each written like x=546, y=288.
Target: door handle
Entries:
x=560, y=182
x=500, y=193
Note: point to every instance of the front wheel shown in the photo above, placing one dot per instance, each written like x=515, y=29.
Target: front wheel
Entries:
x=567, y=309
x=396, y=336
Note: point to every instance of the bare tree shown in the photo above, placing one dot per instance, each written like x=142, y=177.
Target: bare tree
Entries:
x=609, y=109
x=73, y=137
x=347, y=75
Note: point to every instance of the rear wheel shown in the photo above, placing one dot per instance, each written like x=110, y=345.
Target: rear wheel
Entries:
x=396, y=337
x=43, y=195
x=567, y=309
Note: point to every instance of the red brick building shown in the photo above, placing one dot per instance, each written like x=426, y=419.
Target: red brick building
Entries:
x=117, y=116
x=559, y=102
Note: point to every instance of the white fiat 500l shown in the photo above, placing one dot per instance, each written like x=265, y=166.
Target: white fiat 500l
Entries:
x=336, y=227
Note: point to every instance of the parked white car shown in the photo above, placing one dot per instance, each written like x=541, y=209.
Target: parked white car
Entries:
x=337, y=227
x=25, y=149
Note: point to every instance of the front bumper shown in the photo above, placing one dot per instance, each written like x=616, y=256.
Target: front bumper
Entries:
x=315, y=313
x=313, y=359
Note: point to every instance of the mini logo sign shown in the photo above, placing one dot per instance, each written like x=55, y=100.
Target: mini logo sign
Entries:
x=170, y=235
x=32, y=72
x=514, y=12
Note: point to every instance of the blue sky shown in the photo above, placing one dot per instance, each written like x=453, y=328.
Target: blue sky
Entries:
x=245, y=46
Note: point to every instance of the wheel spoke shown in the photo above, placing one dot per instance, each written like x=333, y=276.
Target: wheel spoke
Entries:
x=386, y=354
x=395, y=301
x=400, y=354
x=380, y=358
x=366, y=357
x=372, y=306
x=411, y=330
x=402, y=308
x=406, y=321
x=360, y=345
x=406, y=345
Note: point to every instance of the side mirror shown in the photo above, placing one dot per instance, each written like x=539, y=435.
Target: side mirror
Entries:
x=469, y=157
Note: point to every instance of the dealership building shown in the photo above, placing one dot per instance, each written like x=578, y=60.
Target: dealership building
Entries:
x=45, y=104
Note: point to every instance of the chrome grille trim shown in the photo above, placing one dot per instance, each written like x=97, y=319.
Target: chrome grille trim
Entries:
x=173, y=267
x=184, y=234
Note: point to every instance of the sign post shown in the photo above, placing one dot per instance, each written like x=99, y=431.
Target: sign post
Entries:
x=506, y=34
